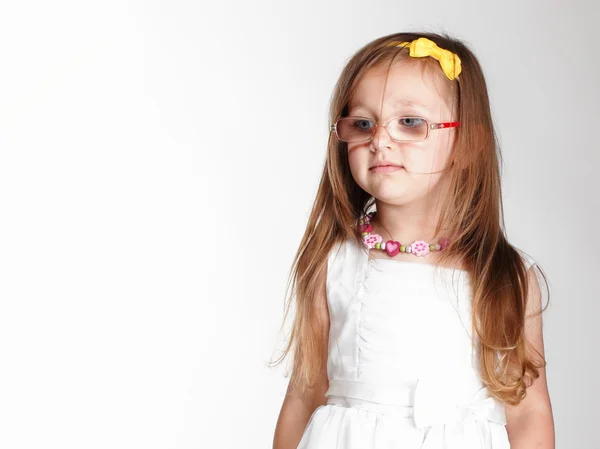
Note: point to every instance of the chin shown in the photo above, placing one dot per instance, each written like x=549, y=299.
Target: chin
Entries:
x=391, y=194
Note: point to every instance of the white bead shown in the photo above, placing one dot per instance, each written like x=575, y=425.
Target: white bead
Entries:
x=408, y=249
x=383, y=245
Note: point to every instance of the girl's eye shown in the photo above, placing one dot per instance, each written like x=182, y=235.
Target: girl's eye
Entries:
x=411, y=122
x=362, y=124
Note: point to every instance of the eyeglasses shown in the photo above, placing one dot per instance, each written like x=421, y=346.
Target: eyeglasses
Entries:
x=401, y=129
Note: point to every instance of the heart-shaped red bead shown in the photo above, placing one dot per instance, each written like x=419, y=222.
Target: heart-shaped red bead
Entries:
x=392, y=248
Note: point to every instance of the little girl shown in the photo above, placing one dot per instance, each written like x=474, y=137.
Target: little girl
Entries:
x=417, y=324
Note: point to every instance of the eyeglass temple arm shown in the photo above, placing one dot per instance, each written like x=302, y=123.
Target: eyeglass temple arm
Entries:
x=444, y=125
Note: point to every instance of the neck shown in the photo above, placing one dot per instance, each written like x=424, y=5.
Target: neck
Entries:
x=406, y=223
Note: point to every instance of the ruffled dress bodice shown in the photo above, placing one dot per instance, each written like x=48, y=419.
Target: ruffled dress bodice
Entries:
x=402, y=365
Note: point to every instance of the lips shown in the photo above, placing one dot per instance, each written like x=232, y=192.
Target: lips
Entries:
x=386, y=169
x=386, y=165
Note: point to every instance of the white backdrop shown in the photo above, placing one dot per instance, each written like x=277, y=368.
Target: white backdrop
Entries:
x=152, y=198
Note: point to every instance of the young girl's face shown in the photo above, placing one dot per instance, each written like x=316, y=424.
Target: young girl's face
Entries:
x=406, y=90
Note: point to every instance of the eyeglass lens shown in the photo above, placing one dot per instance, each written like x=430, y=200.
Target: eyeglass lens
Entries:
x=356, y=129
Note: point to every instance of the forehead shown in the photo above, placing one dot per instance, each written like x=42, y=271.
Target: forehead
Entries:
x=404, y=86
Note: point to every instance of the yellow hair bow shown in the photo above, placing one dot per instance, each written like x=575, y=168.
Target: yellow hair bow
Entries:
x=422, y=47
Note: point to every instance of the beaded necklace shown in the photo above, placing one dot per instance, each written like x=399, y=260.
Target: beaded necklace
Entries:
x=392, y=247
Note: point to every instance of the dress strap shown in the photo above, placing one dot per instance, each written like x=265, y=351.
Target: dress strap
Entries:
x=347, y=270
x=346, y=264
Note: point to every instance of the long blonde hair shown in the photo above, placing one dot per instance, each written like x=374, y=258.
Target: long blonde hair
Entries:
x=473, y=207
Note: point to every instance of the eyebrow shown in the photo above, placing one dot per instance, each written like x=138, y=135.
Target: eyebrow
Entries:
x=408, y=102
x=401, y=102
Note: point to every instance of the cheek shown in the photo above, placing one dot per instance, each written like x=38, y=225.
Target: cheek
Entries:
x=428, y=158
x=358, y=161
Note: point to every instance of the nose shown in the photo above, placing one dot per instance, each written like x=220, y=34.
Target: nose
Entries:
x=381, y=138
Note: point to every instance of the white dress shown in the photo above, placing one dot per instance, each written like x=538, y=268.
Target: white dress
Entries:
x=401, y=365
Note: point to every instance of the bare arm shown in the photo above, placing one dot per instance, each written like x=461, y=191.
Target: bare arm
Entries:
x=297, y=409
x=530, y=424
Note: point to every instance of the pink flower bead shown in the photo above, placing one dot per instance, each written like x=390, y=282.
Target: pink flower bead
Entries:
x=420, y=248
x=371, y=239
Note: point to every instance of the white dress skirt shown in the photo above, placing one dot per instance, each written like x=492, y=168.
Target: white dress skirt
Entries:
x=401, y=365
